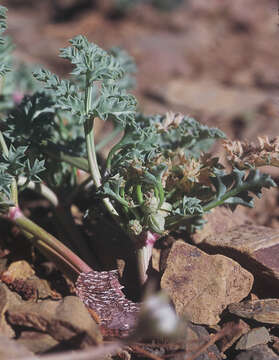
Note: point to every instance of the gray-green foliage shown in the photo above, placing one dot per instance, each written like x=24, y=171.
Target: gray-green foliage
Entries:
x=5, y=44
x=167, y=163
x=50, y=121
x=14, y=160
x=92, y=65
x=159, y=176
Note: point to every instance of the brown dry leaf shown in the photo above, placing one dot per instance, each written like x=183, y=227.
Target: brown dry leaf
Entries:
x=244, y=154
x=171, y=120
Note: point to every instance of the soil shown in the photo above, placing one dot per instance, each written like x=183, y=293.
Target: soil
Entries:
x=217, y=61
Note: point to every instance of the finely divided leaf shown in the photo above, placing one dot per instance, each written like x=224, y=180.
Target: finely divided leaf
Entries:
x=116, y=103
x=90, y=59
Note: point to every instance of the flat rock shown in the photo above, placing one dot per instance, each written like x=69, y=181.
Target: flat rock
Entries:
x=260, y=352
x=218, y=221
x=257, y=336
x=264, y=311
x=201, y=286
x=256, y=248
x=7, y=300
x=11, y=349
x=37, y=342
x=21, y=278
x=64, y=320
x=215, y=99
x=18, y=270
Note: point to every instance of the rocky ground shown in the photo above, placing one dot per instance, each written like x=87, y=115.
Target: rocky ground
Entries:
x=217, y=61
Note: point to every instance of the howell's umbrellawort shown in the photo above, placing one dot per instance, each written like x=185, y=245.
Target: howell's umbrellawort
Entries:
x=158, y=177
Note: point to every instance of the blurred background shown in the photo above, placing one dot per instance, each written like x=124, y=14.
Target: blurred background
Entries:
x=214, y=60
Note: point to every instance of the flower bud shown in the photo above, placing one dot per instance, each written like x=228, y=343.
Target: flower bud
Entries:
x=156, y=223
x=135, y=227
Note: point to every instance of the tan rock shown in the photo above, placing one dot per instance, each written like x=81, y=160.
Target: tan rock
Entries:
x=254, y=247
x=219, y=221
x=37, y=342
x=7, y=300
x=21, y=278
x=11, y=349
x=214, y=98
x=200, y=285
x=63, y=320
x=245, y=238
x=18, y=270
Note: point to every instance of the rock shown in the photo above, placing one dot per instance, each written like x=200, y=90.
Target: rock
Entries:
x=236, y=331
x=18, y=270
x=275, y=345
x=11, y=349
x=264, y=311
x=216, y=99
x=256, y=248
x=21, y=278
x=7, y=300
x=257, y=336
x=200, y=285
x=260, y=352
x=197, y=336
x=219, y=221
x=64, y=320
x=37, y=342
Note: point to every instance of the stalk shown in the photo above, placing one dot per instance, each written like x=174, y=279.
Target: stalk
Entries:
x=51, y=243
x=91, y=151
x=44, y=241
x=144, y=254
x=40, y=188
x=143, y=257
x=70, y=234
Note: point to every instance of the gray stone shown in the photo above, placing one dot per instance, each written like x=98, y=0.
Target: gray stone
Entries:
x=197, y=336
x=260, y=352
x=201, y=286
x=257, y=336
x=236, y=330
x=264, y=311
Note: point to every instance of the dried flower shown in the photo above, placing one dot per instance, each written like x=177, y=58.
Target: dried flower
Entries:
x=246, y=155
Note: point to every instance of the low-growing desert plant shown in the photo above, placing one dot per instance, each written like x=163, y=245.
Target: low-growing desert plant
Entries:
x=158, y=178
